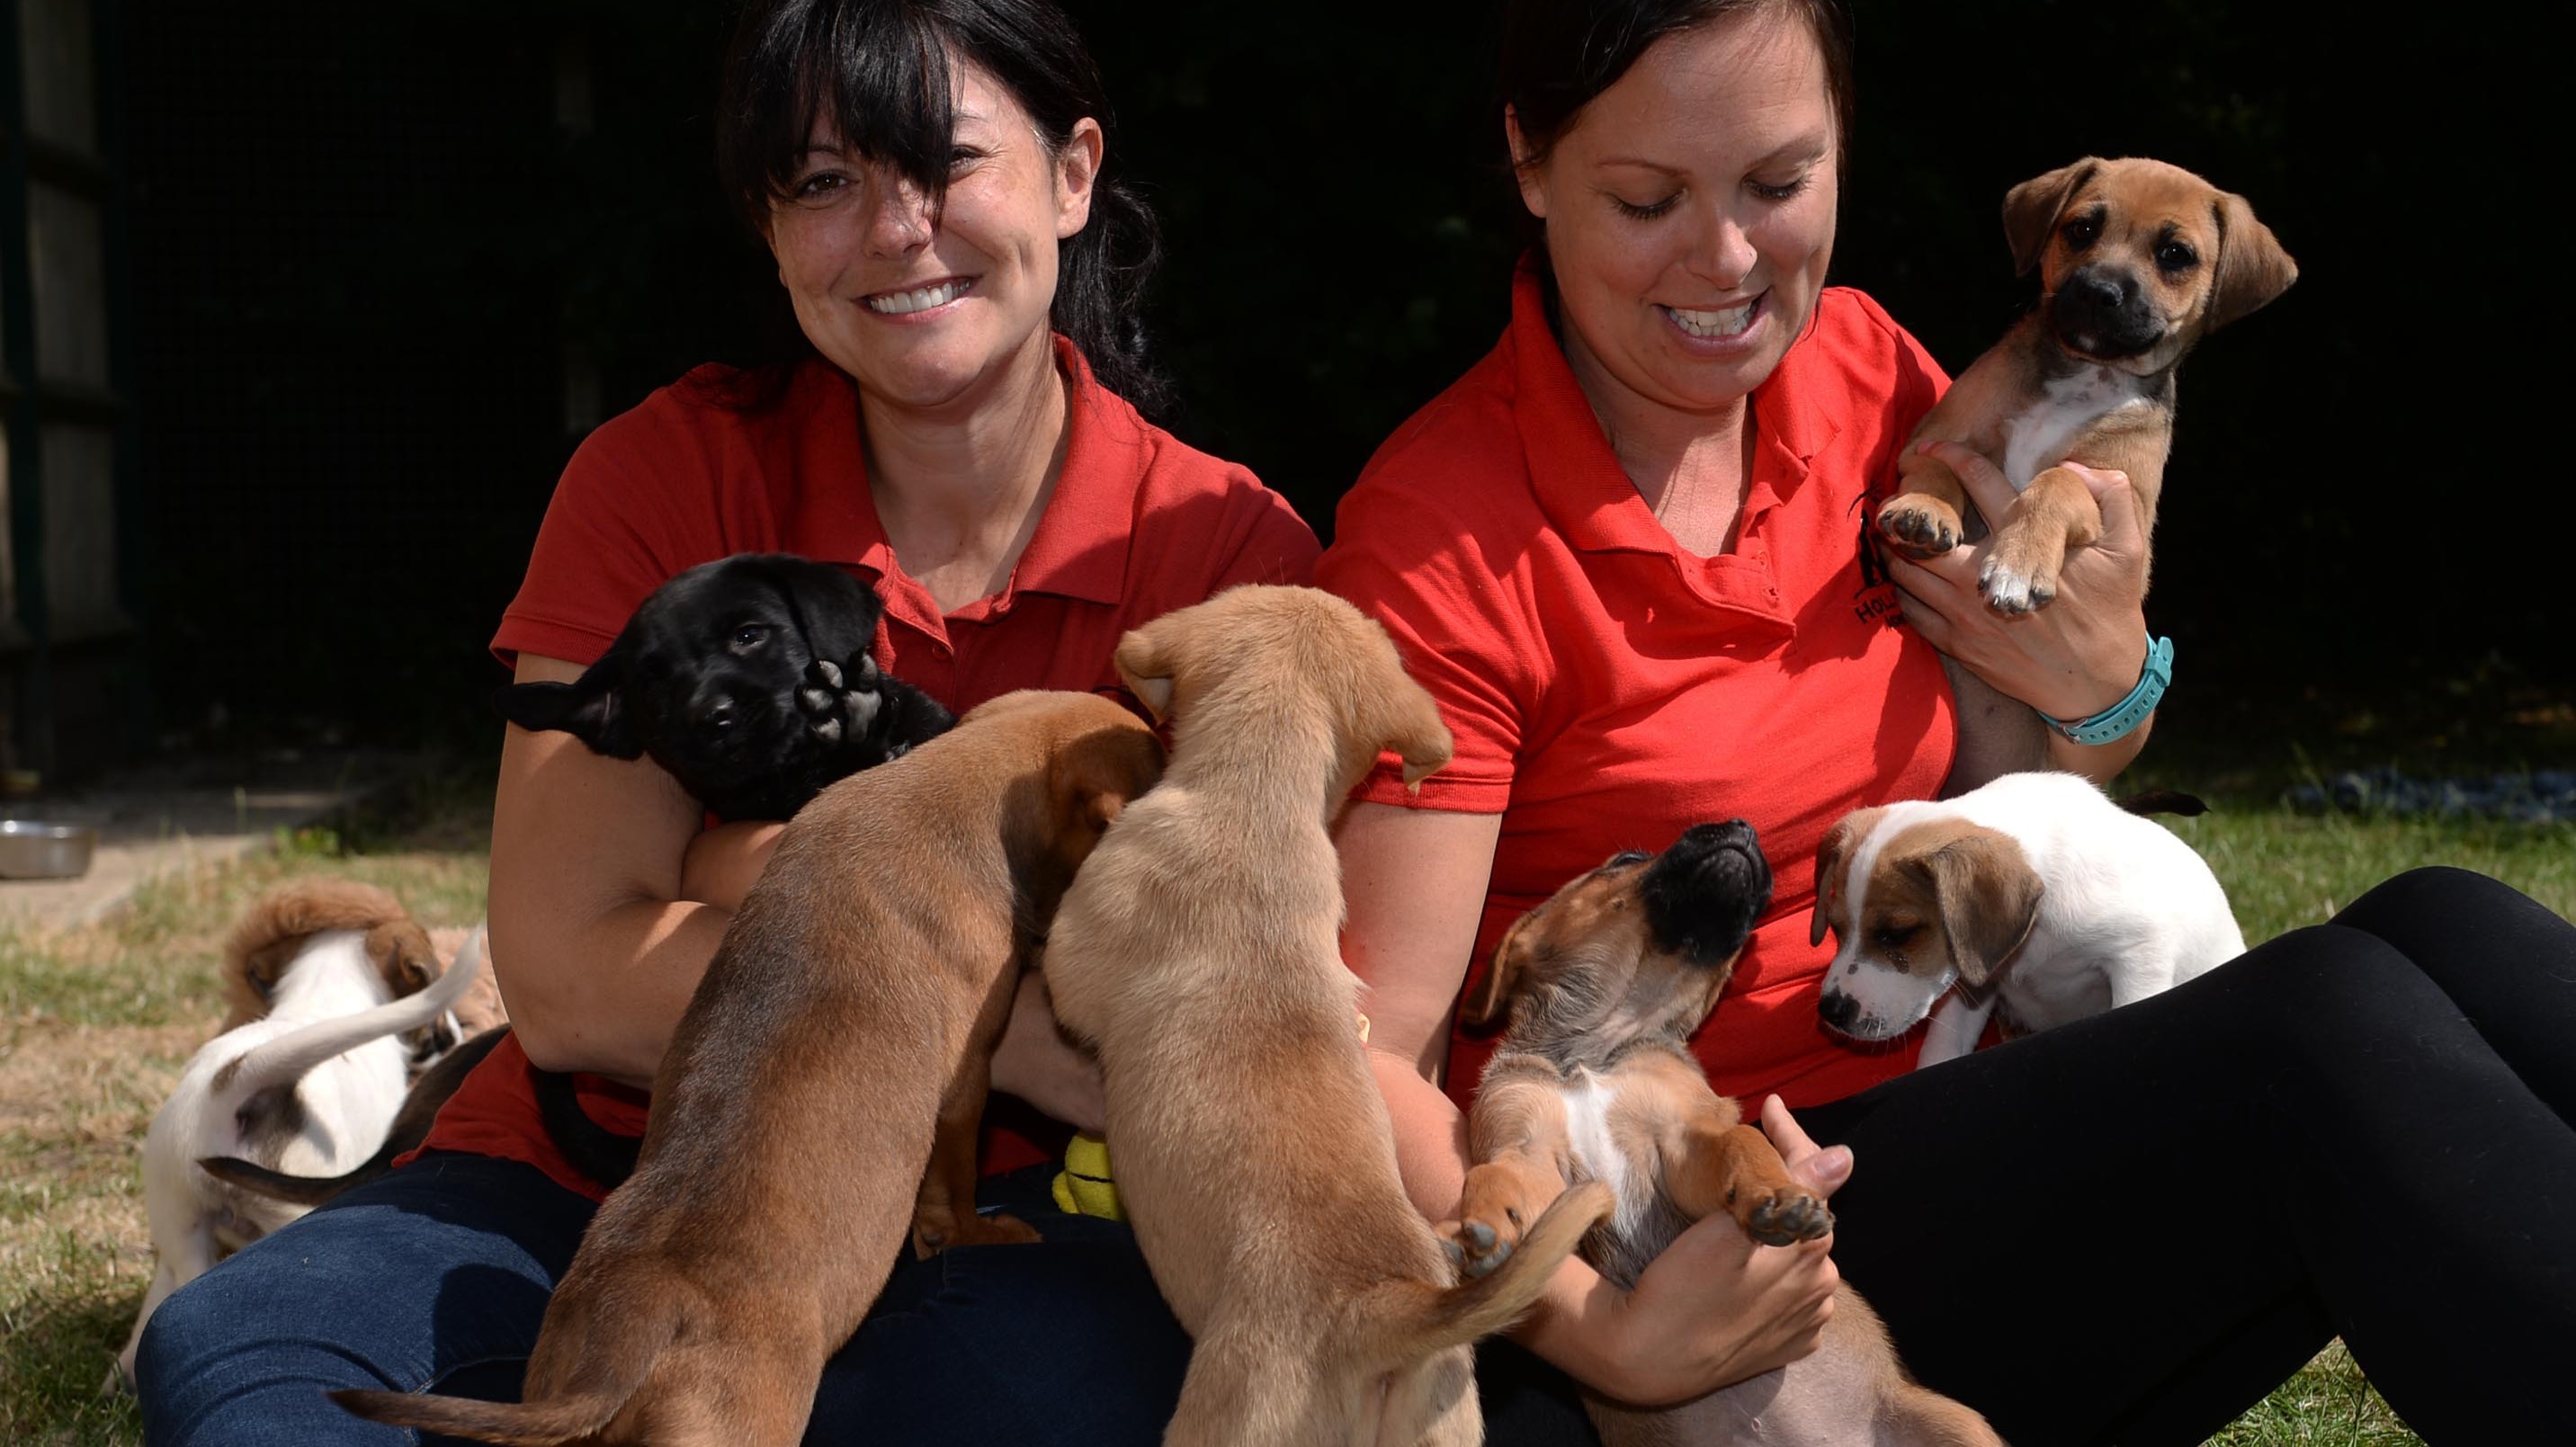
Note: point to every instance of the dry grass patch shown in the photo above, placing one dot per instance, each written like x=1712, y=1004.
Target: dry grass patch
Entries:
x=95, y=1025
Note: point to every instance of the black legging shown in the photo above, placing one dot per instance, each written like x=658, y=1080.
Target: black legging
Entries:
x=2129, y=1229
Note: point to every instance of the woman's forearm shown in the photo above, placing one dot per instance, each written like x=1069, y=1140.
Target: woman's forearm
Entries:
x=615, y=1020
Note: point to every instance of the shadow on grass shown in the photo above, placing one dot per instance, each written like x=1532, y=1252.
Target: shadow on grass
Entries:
x=55, y=1357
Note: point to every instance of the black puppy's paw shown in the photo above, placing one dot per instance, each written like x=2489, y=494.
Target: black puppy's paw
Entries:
x=835, y=710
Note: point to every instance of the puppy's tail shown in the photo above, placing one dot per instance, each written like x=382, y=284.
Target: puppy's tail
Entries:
x=284, y=1060
x=278, y=1185
x=517, y=1424
x=606, y=1346
x=1400, y=1322
x=2165, y=801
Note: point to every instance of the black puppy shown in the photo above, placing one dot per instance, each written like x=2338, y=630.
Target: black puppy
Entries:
x=747, y=679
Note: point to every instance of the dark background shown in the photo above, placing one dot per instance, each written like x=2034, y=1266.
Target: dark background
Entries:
x=388, y=260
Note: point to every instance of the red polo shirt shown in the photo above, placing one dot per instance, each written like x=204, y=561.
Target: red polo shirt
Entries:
x=1138, y=525
x=1608, y=689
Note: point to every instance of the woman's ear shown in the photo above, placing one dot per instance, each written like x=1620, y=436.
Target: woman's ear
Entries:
x=1077, y=167
x=1525, y=166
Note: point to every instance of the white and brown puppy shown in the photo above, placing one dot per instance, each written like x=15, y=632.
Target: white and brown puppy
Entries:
x=308, y=1088
x=2138, y=261
x=2035, y=894
x=1198, y=949
x=1604, y=985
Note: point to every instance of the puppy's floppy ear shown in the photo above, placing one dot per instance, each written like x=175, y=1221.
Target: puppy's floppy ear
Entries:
x=2031, y=210
x=1149, y=658
x=1096, y=774
x=1415, y=733
x=1988, y=896
x=1829, y=874
x=1493, y=994
x=404, y=956
x=592, y=708
x=2252, y=267
x=838, y=612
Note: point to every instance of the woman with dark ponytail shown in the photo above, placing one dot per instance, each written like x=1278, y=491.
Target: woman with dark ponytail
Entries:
x=958, y=427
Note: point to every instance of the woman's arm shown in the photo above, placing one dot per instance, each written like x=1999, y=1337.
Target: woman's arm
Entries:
x=1715, y=1308
x=596, y=945
x=603, y=878
x=2072, y=659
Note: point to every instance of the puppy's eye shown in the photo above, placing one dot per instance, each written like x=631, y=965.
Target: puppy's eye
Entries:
x=2082, y=231
x=1894, y=936
x=749, y=635
x=2177, y=256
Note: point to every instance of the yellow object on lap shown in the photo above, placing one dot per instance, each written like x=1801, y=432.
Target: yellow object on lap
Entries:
x=1084, y=1186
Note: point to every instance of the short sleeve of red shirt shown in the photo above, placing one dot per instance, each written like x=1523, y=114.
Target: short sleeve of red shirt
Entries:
x=1607, y=690
x=1138, y=524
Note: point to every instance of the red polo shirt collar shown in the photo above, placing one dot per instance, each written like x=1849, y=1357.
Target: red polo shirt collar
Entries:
x=1590, y=498
x=1079, y=549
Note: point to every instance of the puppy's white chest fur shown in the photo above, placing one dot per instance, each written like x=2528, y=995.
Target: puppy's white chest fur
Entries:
x=2037, y=437
x=1588, y=1100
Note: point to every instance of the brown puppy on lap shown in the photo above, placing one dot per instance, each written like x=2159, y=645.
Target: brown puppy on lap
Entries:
x=1603, y=984
x=847, y=1019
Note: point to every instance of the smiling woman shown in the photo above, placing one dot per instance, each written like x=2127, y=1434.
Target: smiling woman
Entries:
x=1629, y=554
x=956, y=431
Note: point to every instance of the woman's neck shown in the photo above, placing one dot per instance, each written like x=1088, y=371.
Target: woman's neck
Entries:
x=1690, y=467
x=959, y=488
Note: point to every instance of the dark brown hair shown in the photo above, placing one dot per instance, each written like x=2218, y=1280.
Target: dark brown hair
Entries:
x=880, y=70
x=1559, y=54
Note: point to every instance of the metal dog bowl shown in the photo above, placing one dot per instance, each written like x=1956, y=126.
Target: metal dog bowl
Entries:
x=33, y=850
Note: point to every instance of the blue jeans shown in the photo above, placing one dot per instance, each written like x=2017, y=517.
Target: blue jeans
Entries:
x=438, y=1275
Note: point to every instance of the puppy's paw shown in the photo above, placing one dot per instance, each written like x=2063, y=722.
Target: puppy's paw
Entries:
x=1778, y=1218
x=1477, y=1247
x=1920, y=524
x=837, y=708
x=2013, y=590
x=2021, y=570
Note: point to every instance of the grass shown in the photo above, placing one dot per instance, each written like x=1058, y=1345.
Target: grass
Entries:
x=95, y=1024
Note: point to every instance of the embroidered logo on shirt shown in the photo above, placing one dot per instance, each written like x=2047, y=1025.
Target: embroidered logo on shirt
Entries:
x=1875, y=599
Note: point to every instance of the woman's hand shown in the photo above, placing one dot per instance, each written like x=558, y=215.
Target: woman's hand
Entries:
x=1717, y=1307
x=1037, y=1064
x=2071, y=659
x=723, y=863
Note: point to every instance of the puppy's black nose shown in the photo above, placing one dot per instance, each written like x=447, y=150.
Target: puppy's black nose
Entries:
x=719, y=715
x=2099, y=290
x=1838, y=1010
x=1702, y=895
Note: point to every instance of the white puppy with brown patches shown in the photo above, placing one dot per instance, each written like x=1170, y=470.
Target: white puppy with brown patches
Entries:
x=2035, y=895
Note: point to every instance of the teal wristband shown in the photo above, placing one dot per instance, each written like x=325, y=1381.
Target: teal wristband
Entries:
x=2117, y=720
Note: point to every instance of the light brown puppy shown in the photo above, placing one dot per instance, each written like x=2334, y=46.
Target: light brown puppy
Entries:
x=2138, y=261
x=1603, y=984
x=1199, y=951
x=847, y=1018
